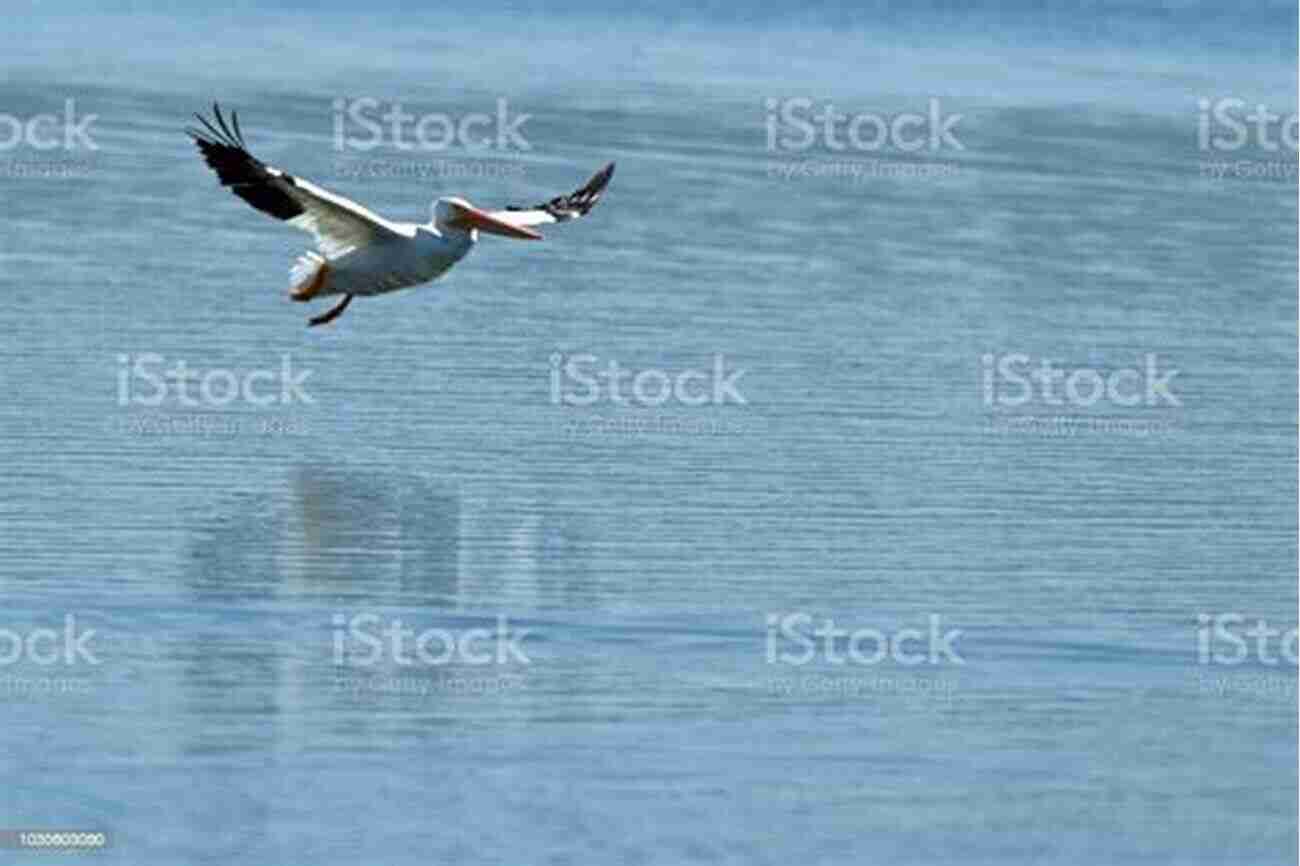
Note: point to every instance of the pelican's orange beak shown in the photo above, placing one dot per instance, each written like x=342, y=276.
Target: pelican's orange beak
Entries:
x=473, y=218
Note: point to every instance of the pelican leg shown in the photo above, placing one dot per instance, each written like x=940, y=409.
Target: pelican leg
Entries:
x=331, y=314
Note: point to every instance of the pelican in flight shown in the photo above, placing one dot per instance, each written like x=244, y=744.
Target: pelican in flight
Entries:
x=359, y=252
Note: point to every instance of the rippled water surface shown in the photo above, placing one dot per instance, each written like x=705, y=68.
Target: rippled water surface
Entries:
x=239, y=564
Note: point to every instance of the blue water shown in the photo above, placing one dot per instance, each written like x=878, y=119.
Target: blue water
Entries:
x=436, y=476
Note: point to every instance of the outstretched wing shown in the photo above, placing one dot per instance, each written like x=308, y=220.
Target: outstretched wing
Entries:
x=338, y=224
x=562, y=208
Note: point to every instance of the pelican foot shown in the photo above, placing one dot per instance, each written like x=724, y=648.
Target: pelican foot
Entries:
x=331, y=314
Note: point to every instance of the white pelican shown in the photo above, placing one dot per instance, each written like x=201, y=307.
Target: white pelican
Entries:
x=359, y=252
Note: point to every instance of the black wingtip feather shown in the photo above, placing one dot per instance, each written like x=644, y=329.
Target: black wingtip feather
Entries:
x=248, y=177
x=579, y=202
x=217, y=137
x=221, y=121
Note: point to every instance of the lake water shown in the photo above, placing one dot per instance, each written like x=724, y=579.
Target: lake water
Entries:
x=832, y=579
